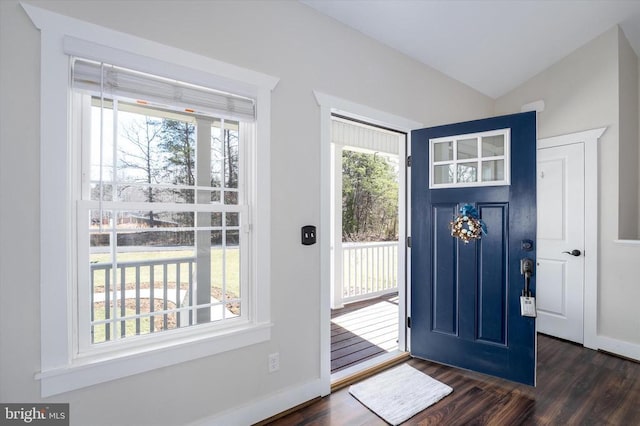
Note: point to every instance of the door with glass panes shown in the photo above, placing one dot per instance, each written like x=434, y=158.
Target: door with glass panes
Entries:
x=466, y=286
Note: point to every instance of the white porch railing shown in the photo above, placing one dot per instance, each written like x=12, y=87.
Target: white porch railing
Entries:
x=176, y=279
x=368, y=270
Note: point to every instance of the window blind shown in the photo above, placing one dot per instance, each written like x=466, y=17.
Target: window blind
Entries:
x=101, y=78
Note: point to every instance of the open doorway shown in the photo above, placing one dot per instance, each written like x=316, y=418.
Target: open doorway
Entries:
x=368, y=245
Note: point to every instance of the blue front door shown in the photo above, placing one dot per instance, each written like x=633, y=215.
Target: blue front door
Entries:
x=465, y=297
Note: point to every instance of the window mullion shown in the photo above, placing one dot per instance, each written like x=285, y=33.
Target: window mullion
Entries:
x=84, y=292
x=176, y=207
x=246, y=147
x=455, y=161
x=479, y=155
x=114, y=214
x=203, y=219
x=82, y=113
x=226, y=162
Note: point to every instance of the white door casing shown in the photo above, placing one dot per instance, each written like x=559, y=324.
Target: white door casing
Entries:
x=560, y=275
x=590, y=140
x=330, y=104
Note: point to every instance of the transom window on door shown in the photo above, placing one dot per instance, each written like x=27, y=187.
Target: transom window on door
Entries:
x=478, y=159
x=162, y=207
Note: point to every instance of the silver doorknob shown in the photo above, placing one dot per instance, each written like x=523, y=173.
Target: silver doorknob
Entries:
x=573, y=252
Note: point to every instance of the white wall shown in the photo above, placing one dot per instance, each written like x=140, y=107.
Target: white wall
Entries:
x=306, y=51
x=629, y=140
x=638, y=92
x=582, y=92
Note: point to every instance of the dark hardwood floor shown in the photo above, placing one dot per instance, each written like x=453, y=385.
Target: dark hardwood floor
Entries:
x=363, y=330
x=576, y=386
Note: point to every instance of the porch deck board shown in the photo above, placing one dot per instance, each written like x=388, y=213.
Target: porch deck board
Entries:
x=363, y=330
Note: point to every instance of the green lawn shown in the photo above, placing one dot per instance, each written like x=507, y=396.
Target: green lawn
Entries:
x=232, y=268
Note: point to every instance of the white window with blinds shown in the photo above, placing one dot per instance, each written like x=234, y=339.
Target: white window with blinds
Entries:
x=162, y=205
x=155, y=191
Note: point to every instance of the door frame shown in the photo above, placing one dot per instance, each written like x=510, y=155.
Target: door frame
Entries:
x=328, y=105
x=590, y=140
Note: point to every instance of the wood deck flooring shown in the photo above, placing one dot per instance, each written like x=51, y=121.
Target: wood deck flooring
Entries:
x=363, y=330
x=576, y=386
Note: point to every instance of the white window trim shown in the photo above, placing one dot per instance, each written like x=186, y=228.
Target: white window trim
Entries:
x=478, y=160
x=62, y=36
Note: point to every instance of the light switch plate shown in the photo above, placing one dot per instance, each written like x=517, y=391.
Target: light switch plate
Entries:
x=528, y=306
x=308, y=235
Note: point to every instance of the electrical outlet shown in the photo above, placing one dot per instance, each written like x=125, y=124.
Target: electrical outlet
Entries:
x=274, y=362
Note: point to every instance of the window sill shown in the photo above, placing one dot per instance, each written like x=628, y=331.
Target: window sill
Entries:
x=91, y=371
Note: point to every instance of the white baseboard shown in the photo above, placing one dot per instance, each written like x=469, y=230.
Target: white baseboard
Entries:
x=264, y=408
x=619, y=347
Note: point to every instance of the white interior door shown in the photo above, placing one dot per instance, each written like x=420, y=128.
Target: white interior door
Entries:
x=560, y=256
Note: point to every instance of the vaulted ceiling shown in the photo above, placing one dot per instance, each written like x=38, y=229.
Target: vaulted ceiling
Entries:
x=492, y=46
